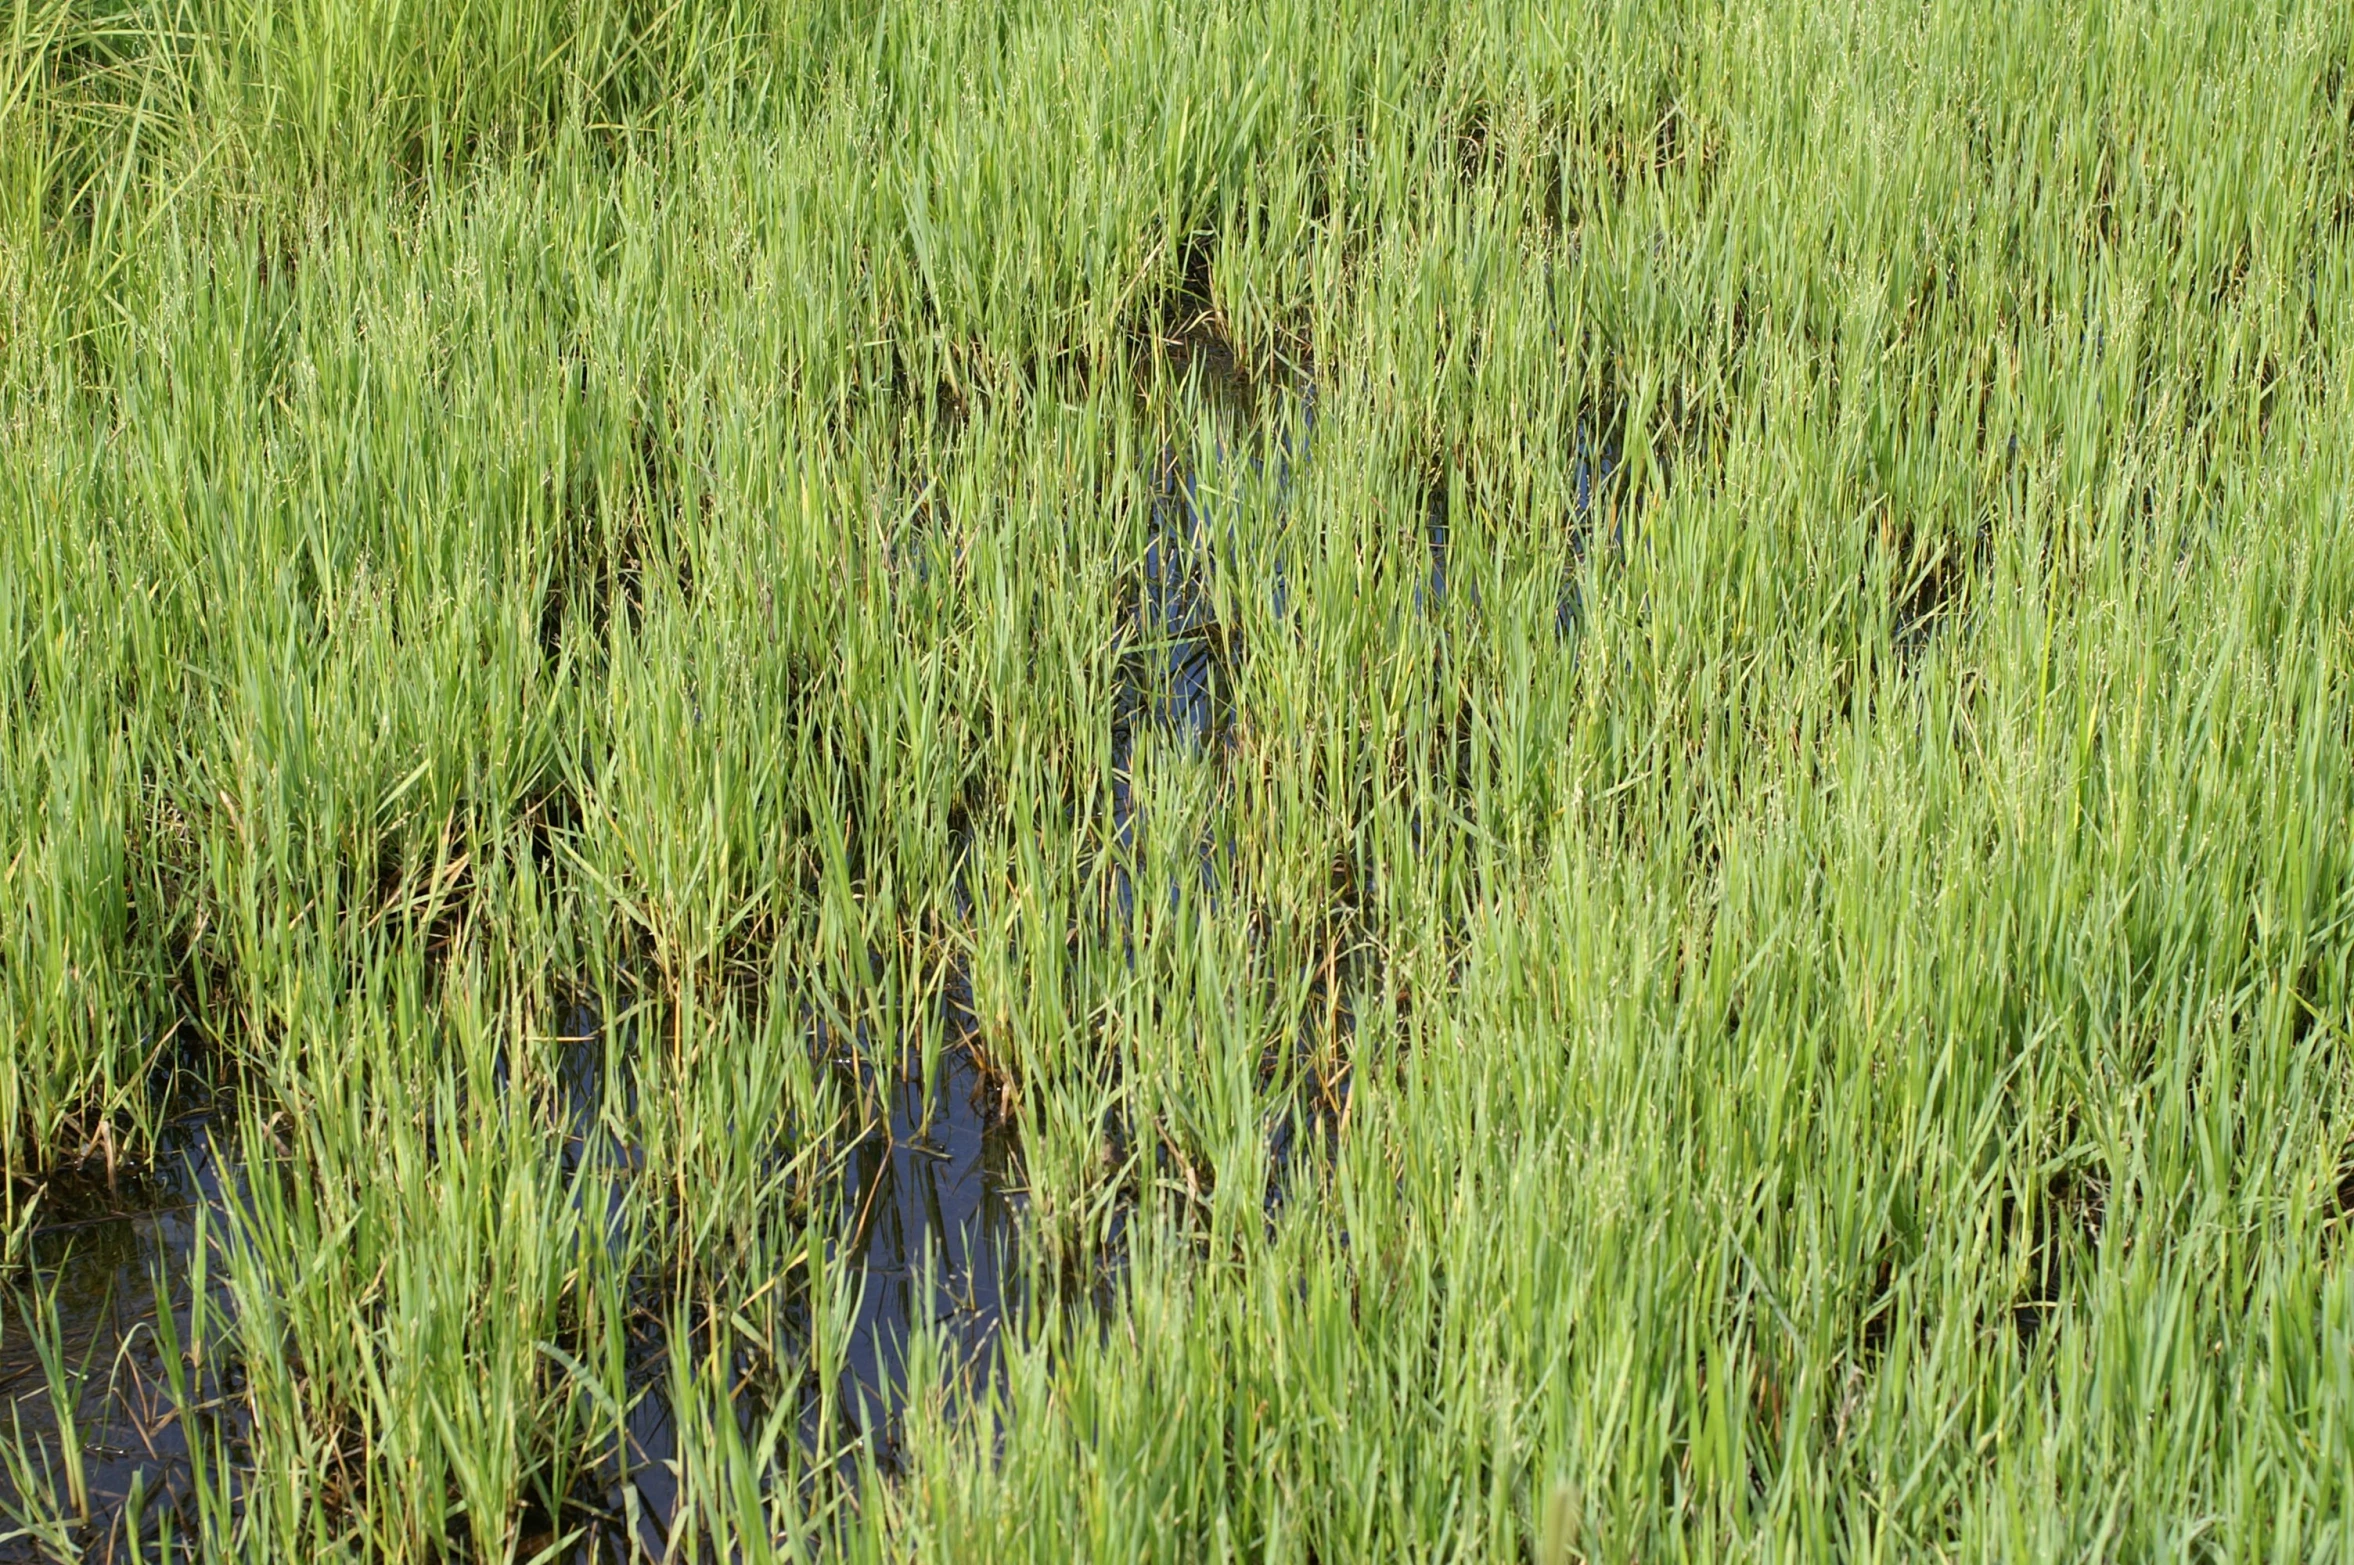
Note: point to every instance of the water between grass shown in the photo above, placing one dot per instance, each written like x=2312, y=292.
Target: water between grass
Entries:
x=930, y=1197
x=93, y=1419
x=930, y=1200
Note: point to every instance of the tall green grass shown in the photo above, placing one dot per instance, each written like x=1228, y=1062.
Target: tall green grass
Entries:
x=1831, y=1044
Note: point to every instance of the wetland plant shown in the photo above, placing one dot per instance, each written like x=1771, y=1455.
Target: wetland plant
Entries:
x=718, y=842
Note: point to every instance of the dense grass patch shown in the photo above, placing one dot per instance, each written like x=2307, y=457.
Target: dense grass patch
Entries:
x=1604, y=750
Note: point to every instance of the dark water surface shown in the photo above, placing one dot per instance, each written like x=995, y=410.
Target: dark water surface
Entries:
x=930, y=1204
x=108, y=1258
x=930, y=1200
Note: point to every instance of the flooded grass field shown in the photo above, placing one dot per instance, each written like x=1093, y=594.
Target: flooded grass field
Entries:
x=801, y=779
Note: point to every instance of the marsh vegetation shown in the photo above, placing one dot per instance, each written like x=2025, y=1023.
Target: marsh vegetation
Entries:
x=1105, y=779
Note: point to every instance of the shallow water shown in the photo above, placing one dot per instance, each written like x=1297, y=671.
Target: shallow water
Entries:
x=1595, y=519
x=931, y=1198
x=1178, y=676
x=100, y=1255
x=938, y=1203
x=930, y=1202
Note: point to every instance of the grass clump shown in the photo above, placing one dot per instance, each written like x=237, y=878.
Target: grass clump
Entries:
x=1618, y=737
